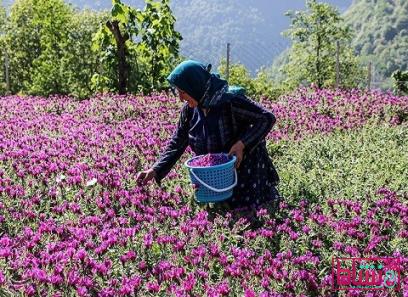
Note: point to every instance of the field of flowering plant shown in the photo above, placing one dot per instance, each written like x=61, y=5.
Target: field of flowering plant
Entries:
x=73, y=222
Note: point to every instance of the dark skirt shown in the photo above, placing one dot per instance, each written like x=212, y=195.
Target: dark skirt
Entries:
x=257, y=180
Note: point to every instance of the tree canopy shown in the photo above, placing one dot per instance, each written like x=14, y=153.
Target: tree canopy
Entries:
x=56, y=49
x=312, y=58
x=381, y=34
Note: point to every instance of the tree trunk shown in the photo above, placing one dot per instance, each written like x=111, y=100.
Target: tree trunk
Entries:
x=154, y=67
x=318, y=70
x=121, y=52
x=153, y=71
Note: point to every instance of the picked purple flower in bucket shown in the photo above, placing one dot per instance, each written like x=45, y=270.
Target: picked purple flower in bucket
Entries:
x=210, y=160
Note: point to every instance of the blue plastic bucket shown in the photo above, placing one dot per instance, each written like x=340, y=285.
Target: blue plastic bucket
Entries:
x=215, y=183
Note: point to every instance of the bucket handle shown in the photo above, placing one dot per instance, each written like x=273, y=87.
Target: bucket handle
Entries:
x=214, y=189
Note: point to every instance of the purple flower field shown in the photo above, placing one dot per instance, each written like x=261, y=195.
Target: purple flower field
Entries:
x=73, y=222
x=322, y=111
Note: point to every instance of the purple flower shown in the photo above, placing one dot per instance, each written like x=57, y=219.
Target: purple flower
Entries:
x=189, y=283
x=306, y=229
x=249, y=293
x=29, y=290
x=153, y=287
x=82, y=291
x=128, y=256
x=337, y=245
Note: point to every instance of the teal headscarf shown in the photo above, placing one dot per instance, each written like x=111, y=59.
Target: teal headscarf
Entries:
x=193, y=78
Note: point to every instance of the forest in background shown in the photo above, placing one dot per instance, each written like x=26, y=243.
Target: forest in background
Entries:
x=378, y=37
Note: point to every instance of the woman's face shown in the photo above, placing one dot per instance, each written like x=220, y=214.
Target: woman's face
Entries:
x=187, y=98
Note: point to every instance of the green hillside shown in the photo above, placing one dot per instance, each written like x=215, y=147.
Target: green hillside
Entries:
x=380, y=36
x=381, y=33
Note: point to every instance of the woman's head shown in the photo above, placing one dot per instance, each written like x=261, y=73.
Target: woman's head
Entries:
x=197, y=85
x=190, y=78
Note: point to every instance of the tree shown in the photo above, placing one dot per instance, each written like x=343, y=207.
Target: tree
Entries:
x=51, y=18
x=161, y=40
x=312, y=58
x=260, y=86
x=34, y=39
x=112, y=42
x=22, y=42
x=141, y=45
x=50, y=48
x=79, y=63
x=400, y=82
x=3, y=18
x=126, y=16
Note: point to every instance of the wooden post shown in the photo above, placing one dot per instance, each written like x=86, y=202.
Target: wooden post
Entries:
x=369, y=75
x=6, y=70
x=228, y=61
x=337, y=64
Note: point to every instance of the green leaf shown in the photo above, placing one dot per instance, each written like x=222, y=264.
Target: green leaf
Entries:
x=117, y=10
x=156, y=249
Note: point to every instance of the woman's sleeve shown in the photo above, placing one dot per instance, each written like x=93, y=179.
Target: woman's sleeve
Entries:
x=258, y=120
x=175, y=148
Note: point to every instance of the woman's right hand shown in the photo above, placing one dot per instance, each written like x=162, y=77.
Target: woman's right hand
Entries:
x=144, y=176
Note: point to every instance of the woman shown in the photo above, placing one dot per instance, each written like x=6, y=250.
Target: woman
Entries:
x=212, y=121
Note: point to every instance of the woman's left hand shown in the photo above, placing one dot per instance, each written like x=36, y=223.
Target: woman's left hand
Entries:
x=238, y=150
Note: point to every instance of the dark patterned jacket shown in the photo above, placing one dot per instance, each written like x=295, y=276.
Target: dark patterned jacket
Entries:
x=239, y=119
